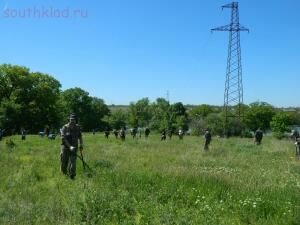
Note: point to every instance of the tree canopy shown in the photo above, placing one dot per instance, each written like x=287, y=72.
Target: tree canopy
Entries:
x=34, y=100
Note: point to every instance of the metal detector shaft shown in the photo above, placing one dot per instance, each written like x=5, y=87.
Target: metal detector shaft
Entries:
x=85, y=165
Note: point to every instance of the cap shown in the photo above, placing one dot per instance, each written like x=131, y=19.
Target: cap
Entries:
x=72, y=116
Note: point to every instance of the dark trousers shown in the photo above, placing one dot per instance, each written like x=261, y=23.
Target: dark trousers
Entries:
x=206, y=144
x=65, y=156
x=258, y=141
x=297, y=149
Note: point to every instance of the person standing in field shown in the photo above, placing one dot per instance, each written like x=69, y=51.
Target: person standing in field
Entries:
x=170, y=133
x=295, y=134
x=122, y=134
x=133, y=132
x=258, y=136
x=297, y=144
x=207, y=137
x=180, y=134
x=147, y=132
x=70, y=134
x=106, y=133
x=163, y=135
x=23, y=134
x=115, y=133
x=47, y=131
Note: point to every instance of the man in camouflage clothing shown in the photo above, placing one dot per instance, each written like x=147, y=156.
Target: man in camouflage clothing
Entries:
x=70, y=134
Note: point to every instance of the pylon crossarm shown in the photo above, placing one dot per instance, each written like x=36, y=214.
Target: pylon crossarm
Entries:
x=222, y=28
x=230, y=5
x=242, y=28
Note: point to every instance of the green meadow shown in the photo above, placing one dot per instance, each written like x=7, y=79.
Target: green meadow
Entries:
x=151, y=182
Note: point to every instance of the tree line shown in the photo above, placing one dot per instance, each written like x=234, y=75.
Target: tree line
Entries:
x=34, y=101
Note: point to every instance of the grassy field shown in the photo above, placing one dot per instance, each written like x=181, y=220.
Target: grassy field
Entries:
x=151, y=182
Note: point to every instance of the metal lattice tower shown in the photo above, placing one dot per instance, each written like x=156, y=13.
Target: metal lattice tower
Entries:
x=233, y=94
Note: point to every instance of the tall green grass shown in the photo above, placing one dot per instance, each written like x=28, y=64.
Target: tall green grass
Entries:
x=151, y=182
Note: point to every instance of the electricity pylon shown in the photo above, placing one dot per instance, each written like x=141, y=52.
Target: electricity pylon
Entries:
x=233, y=95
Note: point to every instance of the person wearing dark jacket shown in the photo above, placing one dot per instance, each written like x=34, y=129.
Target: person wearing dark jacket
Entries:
x=207, y=137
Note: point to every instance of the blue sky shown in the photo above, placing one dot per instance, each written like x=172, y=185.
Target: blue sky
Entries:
x=123, y=50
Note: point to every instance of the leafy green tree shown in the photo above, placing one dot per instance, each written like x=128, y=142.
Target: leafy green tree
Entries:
x=280, y=123
x=259, y=114
x=168, y=117
x=160, y=115
x=89, y=110
x=200, y=111
x=117, y=119
x=198, y=118
x=178, y=116
x=10, y=116
x=28, y=100
x=236, y=127
x=214, y=122
x=98, y=111
x=140, y=113
x=294, y=117
x=42, y=102
x=198, y=126
x=13, y=79
x=77, y=101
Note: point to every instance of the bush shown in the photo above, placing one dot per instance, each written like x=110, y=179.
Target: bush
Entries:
x=279, y=124
x=198, y=126
x=278, y=135
x=247, y=134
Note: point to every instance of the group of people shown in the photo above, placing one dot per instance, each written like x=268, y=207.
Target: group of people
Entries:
x=164, y=133
x=22, y=133
x=295, y=136
x=122, y=133
x=71, y=134
x=207, y=137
